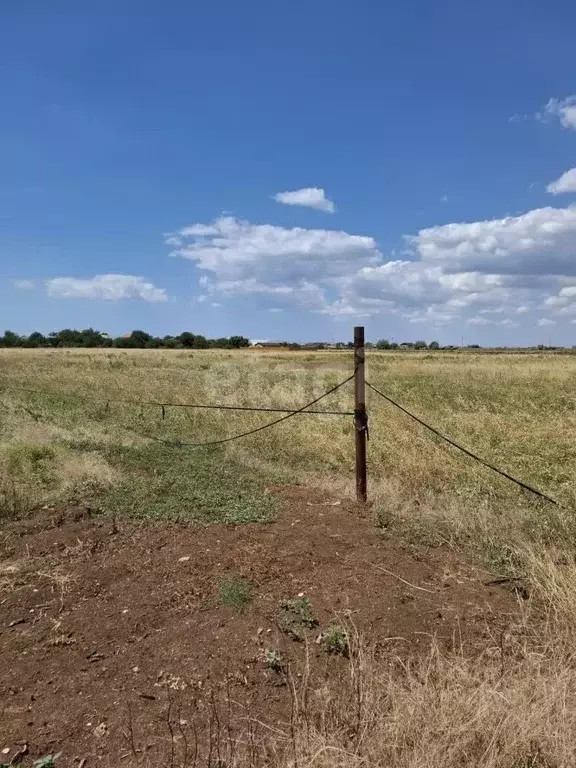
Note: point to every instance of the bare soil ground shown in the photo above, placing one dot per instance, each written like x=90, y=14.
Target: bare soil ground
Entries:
x=113, y=639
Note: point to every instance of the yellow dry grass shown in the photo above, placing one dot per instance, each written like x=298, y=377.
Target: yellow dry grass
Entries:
x=510, y=708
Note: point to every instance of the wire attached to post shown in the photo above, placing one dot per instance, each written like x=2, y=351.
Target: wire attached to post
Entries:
x=487, y=464
x=180, y=444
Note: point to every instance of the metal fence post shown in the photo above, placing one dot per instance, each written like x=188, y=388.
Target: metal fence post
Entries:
x=360, y=417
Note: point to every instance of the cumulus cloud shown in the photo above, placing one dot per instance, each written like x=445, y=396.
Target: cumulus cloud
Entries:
x=415, y=288
x=544, y=321
x=566, y=183
x=481, y=272
x=238, y=257
x=542, y=241
x=563, y=109
x=107, y=287
x=309, y=197
x=24, y=285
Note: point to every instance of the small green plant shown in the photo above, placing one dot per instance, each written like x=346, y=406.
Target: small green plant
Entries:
x=336, y=641
x=31, y=462
x=299, y=611
x=48, y=761
x=235, y=592
x=273, y=659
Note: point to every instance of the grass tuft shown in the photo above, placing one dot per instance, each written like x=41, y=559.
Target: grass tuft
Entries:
x=235, y=592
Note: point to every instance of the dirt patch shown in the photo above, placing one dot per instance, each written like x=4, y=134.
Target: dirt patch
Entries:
x=106, y=626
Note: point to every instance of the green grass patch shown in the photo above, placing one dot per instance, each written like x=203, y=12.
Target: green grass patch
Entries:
x=201, y=485
x=335, y=640
x=298, y=612
x=235, y=592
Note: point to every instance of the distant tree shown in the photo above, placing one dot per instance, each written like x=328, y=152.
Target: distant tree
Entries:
x=420, y=345
x=383, y=344
x=69, y=338
x=10, y=339
x=169, y=342
x=122, y=342
x=236, y=342
x=35, y=340
x=223, y=342
x=393, y=345
x=187, y=339
x=434, y=345
x=201, y=342
x=140, y=339
x=92, y=338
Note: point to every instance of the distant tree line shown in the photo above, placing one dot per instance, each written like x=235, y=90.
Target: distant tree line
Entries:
x=385, y=344
x=135, y=340
x=187, y=340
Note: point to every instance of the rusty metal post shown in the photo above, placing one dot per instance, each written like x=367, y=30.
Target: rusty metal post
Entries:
x=360, y=416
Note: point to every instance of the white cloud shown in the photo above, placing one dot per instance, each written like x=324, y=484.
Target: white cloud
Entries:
x=310, y=197
x=544, y=321
x=24, y=285
x=542, y=241
x=480, y=273
x=275, y=309
x=505, y=323
x=108, y=287
x=444, y=199
x=564, y=109
x=566, y=183
x=216, y=304
x=243, y=258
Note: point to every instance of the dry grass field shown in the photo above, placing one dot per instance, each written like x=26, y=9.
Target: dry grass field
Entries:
x=511, y=704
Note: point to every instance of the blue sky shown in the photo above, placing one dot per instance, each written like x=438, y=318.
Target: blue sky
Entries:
x=146, y=149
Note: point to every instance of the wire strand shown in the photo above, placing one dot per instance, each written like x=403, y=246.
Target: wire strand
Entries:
x=180, y=444
x=163, y=405
x=464, y=450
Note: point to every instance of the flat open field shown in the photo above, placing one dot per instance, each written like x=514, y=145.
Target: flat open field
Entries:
x=170, y=606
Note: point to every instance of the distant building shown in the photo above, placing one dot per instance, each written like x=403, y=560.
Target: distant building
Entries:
x=266, y=343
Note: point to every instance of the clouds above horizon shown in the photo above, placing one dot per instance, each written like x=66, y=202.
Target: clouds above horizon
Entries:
x=309, y=197
x=498, y=272
x=108, y=287
x=238, y=257
x=453, y=272
x=539, y=242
